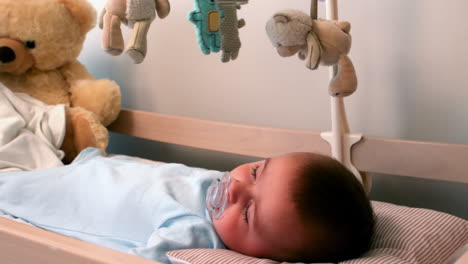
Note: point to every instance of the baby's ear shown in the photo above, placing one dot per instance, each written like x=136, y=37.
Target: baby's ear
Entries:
x=83, y=12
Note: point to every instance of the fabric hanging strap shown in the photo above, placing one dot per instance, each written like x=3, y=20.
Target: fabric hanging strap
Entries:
x=313, y=9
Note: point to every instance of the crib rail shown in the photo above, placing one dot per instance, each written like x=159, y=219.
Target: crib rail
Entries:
x=22, y=243
x=430, y=160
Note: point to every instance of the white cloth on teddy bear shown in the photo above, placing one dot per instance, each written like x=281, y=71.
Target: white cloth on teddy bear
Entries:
x=31, y=132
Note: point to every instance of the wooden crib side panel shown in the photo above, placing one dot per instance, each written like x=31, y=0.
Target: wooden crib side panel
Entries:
x=21, y=243
x=428, y=160
x=240, y=139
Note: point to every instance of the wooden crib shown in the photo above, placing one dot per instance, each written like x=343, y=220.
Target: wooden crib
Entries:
x=22, y=243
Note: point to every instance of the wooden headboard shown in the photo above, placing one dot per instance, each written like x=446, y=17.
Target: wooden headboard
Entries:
x=429, y=160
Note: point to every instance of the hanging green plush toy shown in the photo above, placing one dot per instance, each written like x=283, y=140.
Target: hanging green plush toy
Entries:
x=207, y=20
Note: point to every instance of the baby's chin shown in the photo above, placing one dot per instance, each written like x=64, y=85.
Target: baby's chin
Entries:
x=220, y=233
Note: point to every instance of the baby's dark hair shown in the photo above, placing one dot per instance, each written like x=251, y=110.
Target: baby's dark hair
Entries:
x=329, y=196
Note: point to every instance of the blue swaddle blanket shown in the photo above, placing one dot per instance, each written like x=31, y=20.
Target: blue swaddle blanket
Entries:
x=118, y=202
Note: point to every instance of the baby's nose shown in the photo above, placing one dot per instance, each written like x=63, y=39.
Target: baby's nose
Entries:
x=237, y=191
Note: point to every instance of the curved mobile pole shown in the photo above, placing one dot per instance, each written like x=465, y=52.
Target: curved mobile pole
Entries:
x=339, y=137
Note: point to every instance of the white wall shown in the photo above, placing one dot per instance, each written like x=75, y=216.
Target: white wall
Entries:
x=409, y=55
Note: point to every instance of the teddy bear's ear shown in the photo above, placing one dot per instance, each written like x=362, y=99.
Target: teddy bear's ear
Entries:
x=83, y=12
x=344, y=25
x=281, y=18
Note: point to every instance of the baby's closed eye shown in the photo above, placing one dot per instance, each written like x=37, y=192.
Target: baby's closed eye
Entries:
x=245, y=212
x=254, y=170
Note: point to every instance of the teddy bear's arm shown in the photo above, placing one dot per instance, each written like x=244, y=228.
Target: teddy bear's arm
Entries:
x=101, y=97
x=75, y=71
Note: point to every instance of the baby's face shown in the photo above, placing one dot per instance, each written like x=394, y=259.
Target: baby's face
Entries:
x=260, y=219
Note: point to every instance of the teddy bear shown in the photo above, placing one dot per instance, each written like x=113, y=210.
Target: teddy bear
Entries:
x=39, y=45
x=317, y=41
x=137, y=14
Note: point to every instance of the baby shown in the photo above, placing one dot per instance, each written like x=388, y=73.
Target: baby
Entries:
x=296, y=207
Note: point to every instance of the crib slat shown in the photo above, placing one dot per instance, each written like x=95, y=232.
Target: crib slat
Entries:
x=22, y=243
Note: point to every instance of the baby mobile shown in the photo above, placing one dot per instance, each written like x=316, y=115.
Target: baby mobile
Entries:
x=317, y=41
x=216, y=24
x=322, y=42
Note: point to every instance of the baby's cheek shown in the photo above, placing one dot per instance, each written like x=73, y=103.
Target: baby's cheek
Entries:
x=229, y=228
x=227, y=220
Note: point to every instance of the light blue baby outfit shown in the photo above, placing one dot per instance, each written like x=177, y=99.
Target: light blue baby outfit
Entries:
x=118, y=202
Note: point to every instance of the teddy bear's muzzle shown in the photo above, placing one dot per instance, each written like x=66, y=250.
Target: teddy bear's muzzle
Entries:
x=15, y=58
x=288, y=51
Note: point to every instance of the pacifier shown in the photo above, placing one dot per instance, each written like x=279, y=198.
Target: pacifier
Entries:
x=217, y=195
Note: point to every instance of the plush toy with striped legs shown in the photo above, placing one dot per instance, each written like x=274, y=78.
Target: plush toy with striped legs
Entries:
x=137, y=14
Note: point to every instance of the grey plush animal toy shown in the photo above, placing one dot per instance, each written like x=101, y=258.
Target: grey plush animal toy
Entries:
x=319, y=41
x=230, y=40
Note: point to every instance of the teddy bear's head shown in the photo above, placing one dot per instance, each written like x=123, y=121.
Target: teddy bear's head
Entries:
x=288, y=31
x=42, y=34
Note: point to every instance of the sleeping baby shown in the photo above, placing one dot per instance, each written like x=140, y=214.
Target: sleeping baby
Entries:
x=295, y=207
